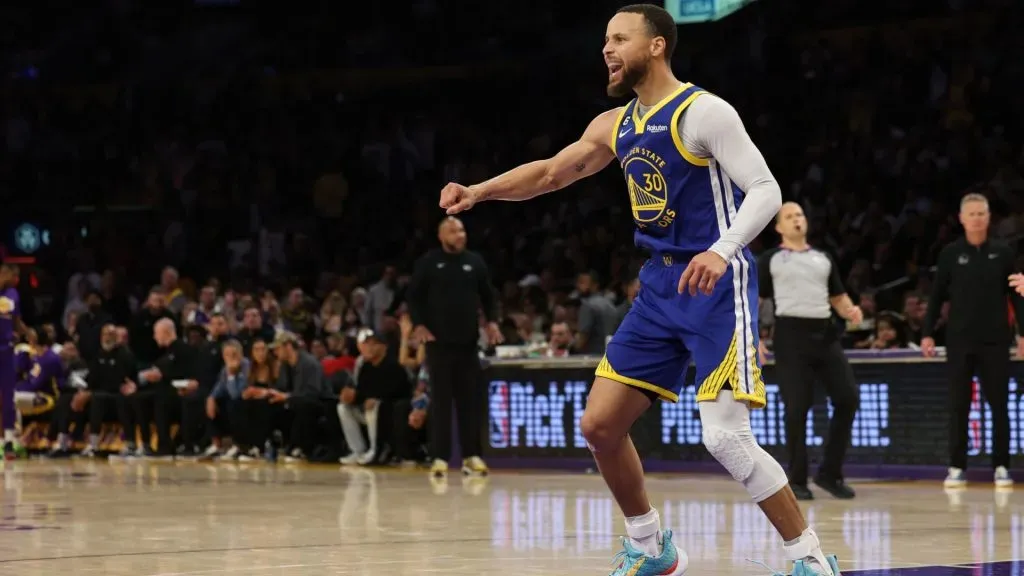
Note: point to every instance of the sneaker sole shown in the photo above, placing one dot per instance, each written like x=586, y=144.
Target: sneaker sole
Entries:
x=1004, y=484
x=954, y=483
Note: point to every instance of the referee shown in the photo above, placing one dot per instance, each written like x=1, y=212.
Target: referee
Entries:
x=448, y=289
x=804, y=285
x=971, y=276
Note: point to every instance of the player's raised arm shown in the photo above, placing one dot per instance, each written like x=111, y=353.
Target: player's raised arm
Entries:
x=584, y=157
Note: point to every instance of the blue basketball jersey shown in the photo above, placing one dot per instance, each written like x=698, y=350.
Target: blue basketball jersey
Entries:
x=681, y=203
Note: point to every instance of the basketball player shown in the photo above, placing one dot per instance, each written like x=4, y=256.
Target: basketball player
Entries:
x=700, y=191
x=10, y=326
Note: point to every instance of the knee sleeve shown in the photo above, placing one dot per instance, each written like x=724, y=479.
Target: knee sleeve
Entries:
x=728, y=437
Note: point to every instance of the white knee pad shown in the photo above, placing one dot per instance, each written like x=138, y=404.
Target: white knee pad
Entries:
x=728, y=438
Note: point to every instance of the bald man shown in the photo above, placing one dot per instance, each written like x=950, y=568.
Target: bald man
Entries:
x=167, y=391
x=448, y=287
x=805, y=286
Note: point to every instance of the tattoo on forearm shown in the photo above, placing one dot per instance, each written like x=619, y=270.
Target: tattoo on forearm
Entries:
x=580, y=167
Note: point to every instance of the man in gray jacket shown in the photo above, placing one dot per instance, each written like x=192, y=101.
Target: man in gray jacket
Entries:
x=298, y=398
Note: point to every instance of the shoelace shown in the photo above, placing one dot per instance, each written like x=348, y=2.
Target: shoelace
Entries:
x=766, y=567
x=621, y=559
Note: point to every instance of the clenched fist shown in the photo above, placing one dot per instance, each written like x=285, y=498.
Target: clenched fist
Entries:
x=457, y=198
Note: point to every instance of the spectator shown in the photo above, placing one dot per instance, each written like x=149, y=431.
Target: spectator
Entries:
x=338, y=357
x=408, y=359
x=89, y=324
x=172, y=377
x=379, y=298
x=108, y=376
x=253, y=329
x=298, y=396
x=410, y=420
x=597, y=316
x=379, y=383
x=888, y=333
x=560, y=341
x=227, y=409
x=175, y=298
x=295, y=318
x=142, y=343
x=205, y=309
x=915, y=307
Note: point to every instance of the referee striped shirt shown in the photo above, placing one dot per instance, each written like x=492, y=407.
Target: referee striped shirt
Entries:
x=800, y=283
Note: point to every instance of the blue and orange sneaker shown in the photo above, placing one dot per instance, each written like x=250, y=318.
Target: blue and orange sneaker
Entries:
x=632, y=562
x=802, y=568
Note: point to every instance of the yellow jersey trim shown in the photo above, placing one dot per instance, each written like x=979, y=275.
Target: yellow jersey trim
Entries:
x=605, y=370
x=615, y=128
x=36, y=409
x=641, y=123
x=728, y=371
x=677, y=138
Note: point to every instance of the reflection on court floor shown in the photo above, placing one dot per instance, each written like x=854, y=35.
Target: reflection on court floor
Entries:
x=178, y=519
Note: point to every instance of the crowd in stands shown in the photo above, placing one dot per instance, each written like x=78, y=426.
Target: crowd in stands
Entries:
x=293, y=179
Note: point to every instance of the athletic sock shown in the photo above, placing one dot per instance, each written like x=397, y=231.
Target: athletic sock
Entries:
x=808, y=548
x=9, y=437
x=644, y=532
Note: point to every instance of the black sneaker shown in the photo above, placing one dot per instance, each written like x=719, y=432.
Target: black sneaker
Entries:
x=802, y=492
x=836, y=488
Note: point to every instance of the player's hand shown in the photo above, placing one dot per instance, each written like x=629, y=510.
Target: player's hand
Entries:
x=855, y=315
x=211, y=408
x=1017, y=283
x=1020, y=347
x=702, y=273
x=762, y=352
x=928, y=347
x=128, y=388
x=457, y=198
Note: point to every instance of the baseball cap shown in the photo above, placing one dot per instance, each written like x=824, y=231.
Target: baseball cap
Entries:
x=368, y=334
x=284, y=337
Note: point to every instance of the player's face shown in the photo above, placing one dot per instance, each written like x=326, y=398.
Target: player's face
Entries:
x=974, y=216
x=792, y=222
x=627, y=53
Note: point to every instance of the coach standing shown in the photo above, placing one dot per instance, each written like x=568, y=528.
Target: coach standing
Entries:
x=449, y=286
x=971, y=276
x=805, y=285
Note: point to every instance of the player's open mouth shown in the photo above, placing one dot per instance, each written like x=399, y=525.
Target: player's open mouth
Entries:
x=614, y=70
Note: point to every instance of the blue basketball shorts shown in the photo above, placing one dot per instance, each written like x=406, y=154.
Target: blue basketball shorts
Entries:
x=665, y=331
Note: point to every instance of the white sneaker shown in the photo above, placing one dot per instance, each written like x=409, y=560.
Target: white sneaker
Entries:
x=366, y=458
x=295, y=456
x=350, y=460
x=211, y=452
x=1002, y=478
x=230, y=453
x=955, y=479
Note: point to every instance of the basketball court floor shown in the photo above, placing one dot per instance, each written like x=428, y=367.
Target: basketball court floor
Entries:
x=167, y=519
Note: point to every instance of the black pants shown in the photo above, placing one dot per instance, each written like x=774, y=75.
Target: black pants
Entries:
x=161, y=404
x=808, y=350
x=247, y=422
x=193, y=420
x=102, y=407
x=406, y=439
x=299, y=420
x=454, y=376
x=991, y=364
x=64, y=416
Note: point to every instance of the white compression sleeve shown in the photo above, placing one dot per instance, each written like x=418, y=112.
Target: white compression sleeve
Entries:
x=711, y=128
